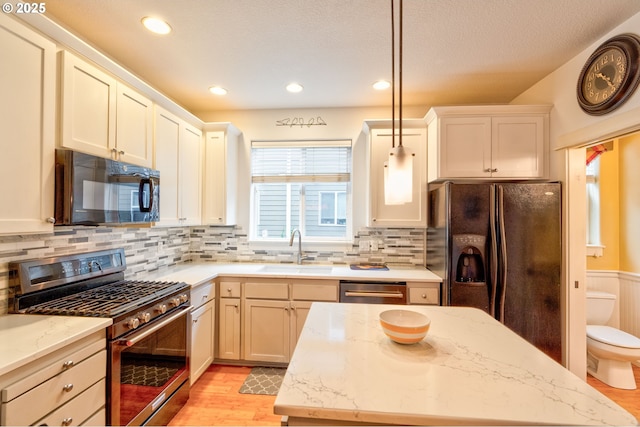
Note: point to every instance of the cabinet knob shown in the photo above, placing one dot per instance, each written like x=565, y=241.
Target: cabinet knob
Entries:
x=68, y=364
x=195, y=320
x=286, y=308
x=494, y=170
x=67, y=387
x=121, y=152
x=374, y=220
x=66, y=421
x=293, y=307
x=487, y=170
x=229, y=290
x=51, y=220
x=424, y=296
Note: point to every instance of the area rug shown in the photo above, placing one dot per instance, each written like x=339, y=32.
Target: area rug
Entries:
x=263, y=380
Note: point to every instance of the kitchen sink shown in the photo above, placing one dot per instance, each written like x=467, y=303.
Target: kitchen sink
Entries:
x=296, y=269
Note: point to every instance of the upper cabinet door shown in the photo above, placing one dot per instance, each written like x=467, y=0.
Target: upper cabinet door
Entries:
x=27, y=129
x=518, y=147
x=467, y=152
x=220, y=167
x=88, y=108
x=134, y=127
x=167, y=138
x=190, y=175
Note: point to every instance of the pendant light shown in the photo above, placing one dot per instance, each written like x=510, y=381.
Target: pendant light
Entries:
x=398, y=169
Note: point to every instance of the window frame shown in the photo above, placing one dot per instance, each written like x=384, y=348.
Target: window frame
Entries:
x=290, y=180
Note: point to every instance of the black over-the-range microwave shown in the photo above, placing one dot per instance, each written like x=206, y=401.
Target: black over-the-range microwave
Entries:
x=92, y=190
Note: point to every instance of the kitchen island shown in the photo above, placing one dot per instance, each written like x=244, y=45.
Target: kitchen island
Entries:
x=469, y=370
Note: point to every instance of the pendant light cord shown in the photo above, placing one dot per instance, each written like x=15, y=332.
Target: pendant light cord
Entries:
x=393, y=78
x=400, y=79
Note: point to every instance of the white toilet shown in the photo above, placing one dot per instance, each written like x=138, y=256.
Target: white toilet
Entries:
x=610, y=351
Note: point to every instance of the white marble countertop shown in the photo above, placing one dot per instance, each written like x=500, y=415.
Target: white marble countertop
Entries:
x=27, y=337
x=470, y=369
x=196, y=273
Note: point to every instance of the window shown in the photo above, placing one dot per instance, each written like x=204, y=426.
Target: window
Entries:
x=593, y=202
x=301, y=185
x=594, y=194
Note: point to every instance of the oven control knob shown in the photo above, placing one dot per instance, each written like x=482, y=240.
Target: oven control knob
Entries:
x=161, y=308
x=133, y=323
x=174, y=302
x=184, y=298
x=144, y=317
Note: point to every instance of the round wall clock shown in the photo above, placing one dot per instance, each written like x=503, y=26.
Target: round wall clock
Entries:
x=610, y=75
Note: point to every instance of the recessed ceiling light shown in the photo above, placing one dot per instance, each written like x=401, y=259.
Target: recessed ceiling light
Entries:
x=217, y=90
x=156, y=25
x=294, y=87
x=381, y=85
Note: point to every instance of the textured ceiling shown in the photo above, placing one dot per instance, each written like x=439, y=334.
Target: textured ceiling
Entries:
x=455, y=51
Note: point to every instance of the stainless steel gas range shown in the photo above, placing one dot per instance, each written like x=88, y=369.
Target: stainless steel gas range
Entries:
x=148, y=343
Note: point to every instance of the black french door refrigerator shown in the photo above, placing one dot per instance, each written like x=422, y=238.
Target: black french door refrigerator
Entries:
x=497, y=247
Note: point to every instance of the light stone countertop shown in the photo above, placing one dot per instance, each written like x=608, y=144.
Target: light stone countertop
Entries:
x=27, y=337
x=470, y=369
x=197, y=273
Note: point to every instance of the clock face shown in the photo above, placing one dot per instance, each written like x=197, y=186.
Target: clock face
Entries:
x=604, y=77
x=610, y=75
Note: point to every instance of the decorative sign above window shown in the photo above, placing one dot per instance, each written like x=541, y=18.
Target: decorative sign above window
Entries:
x=301, y=122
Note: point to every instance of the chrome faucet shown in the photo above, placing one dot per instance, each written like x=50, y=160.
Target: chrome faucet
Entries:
x=293, y=235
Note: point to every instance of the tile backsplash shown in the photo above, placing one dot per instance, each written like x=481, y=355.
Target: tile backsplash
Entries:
x=151, y=249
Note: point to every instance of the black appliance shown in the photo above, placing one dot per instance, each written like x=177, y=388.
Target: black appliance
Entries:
x=148, y=343
x=498, y=247
x=93, y=190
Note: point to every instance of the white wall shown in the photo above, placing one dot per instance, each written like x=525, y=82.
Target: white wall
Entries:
x=568, y=123
x=341, y=123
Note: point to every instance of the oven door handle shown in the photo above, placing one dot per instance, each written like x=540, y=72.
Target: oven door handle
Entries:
x=133, y=340
x=373, y=294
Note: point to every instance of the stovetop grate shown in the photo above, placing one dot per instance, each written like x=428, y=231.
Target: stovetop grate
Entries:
x=110, y=300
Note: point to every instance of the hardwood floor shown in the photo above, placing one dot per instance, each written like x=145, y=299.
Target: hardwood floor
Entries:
x=215, y=400
x=628, y=399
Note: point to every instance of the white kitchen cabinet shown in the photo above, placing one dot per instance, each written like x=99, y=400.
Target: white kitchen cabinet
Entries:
x=202, y=329
x=424, y=293
x=229, y=333
x=102, y=116
x=266, y=332
x=178, y=149
x=220, y=167
x=67, y=387
x=27, y=129
x=490, y=142
x=134, y=127
x=412, y=214
x=274, y=316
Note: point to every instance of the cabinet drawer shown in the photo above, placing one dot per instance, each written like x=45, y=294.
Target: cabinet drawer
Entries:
x=429, y=296
x=202, y=294
x=57, y=366
x=97, y=419
x=80, y=409
x=314, y=292
x=55, y=392
x=266, y=290
x=230, y=289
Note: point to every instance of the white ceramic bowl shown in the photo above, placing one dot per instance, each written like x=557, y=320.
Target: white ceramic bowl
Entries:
x=404, y=326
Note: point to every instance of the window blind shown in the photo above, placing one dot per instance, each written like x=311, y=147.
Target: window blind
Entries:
x=301, y=161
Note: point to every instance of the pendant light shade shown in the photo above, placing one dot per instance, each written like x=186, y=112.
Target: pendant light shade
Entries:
x=398, y=169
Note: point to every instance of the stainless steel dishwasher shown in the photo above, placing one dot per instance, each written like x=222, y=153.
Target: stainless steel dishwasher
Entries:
x=373, y=292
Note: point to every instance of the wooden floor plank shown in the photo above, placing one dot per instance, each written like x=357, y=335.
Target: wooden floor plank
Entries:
x=215, y=401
